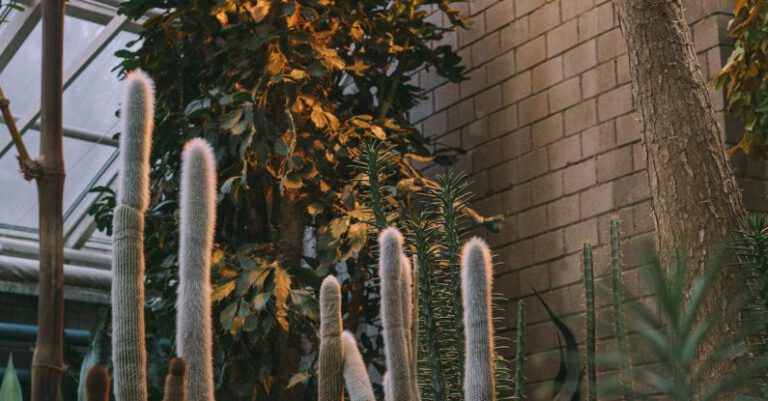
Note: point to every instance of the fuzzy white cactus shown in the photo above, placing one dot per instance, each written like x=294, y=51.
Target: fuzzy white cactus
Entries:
x=194, y=334
x=128, y=349
x=476, y=284
x=393, y=315
x=331, y=355
x=356, y=378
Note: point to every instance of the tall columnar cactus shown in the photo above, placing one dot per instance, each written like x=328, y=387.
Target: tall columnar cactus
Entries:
x=356, y=378
x=589, y=295
x=128, y=349
x=414, y=335
x=520, y=351
x=476, y=284
x=618, y=301
x=97, y=383
x=198, y=219
x=396, y=346
x=176, y=381
x=331, y=355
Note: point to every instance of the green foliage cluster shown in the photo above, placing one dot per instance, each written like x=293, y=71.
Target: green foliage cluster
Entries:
x=289, y=93
x=743, y=75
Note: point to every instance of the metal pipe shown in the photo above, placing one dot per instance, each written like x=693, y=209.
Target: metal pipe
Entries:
x=28, y=333
x=10, y=246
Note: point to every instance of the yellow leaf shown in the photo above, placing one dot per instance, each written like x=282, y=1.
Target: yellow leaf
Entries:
x=222, y=17
x=237, y=324
x=333, y=122
x=358, y=68
x=282, y=289
x=222, y=291
x=276, y=62
x=297, y=74
x=419, y=158
x=259, y=11
x=356, y=31
x=318, y=116
x=378, y=132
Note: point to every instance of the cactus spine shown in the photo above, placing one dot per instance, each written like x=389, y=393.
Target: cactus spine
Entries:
x=520, y=351
x=330, y=357
x=355, y=373
x=198, y=219
x=414, y=314
x=476, y=284
x=392, y=271
x=128, y=349
x=176, y=381
x=97, y=384
x=618, y=300
x=589, y=295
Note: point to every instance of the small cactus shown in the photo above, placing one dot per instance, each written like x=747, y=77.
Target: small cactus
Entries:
x=355, y=373
x=97, y=384
x=330, y=357
x=618, y=301
x=194, y=338
x=176, y=381
x=589, y=295
x=128, y=349
x=476, y=284
x=520, y=351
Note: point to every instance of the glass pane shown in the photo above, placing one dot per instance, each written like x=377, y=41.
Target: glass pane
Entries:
x=21, y=78
x=83, y=161
x=92, y=100
x=18, y=196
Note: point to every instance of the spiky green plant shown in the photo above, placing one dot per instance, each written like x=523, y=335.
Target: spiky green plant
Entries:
x=520, y=351
x=618, y=311
x=10, y=389
x=589, y=295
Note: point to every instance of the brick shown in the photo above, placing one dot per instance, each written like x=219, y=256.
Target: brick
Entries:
x=526, y=6
x=707, y=33
x=548, y=246
x=508, y=285
x=533, y=108
x=622, y=70
x=488, y=101
x=519, y=254
x=536, y=277
x=565, y=94
x=563, y=211
x=446, y=95
x=477, y=31
x=639, y=161
x=545, y=18
x=598, y=80
x=610, y=45
x=533, y=164
x=423, y=109
x=643, y=217
x=562, y=38
x=516, y=143
x=502, y=121
x=574, y=8
x=516, y=199
x=486, y=155
x=501, y=68
x=547, y=131
x=564, y=152
x=606, y=18
x=596, y=200
x=632, y=189
x=461, y=114
x=436, y=125
x=590, y=142
x=515, y=34
x=579, y=176
x=499, y=15
x=532, y=221
x=582, y=232
x=580, y=59
x=580, y=117
x=613, y=164
x=531, y=53
x=547, y=187
x=475, y=133
x=519, y=87
x=479, y=5
x=614, y=103
x=627, y=129
x=566, y=271
x=476, y=81
x=485, y=49
x=502, y=177
x=547, y=74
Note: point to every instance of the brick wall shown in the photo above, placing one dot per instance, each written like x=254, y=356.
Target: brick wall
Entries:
x=548, y=119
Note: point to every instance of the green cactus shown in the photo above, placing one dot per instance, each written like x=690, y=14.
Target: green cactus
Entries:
x=194, y=335
x=520, y=351
x=128, y=347
x=176, y=381
x=477, y=281
x=618, y=301
x=330, y=358
x=589, y=294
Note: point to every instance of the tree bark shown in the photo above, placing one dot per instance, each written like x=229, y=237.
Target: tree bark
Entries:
x=696, y=201
x=48, y=362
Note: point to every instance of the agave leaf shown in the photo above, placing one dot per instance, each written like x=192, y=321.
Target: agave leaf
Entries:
x=569, y=377
x=10, y=389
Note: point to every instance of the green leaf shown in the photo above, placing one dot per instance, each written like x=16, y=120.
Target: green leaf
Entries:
x=197, y=106
x=10, y=390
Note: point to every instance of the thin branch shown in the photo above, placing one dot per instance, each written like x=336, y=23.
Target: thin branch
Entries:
x=29, y=167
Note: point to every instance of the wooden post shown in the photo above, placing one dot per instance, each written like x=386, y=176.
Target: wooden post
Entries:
x=48, y=363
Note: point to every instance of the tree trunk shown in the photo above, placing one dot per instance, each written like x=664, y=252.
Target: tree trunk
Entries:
x=696, y=201
x=48, y=362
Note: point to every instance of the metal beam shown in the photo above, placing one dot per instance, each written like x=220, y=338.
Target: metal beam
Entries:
x=75, y=69
x=17, y=31
x=78, y=225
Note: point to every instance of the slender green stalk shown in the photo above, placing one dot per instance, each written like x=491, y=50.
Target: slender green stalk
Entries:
x=520, y=351
x=618, y=300
x=589, y=294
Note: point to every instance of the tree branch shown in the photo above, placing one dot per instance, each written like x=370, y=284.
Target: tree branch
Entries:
x=29, y=167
